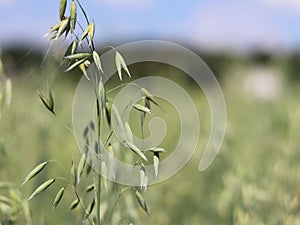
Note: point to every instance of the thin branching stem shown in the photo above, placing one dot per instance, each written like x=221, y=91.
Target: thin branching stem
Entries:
x=83, y=207
x=115, y=204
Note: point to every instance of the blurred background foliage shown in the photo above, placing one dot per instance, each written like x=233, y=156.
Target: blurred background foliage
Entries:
x=254, y=180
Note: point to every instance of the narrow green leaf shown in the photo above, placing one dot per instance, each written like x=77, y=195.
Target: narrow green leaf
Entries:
x=141, y=201
x=58, y=197
x=34, y=172
x=136, y=150
x=74, y=204
x=156, y=163
x=141, y=108
x=120, y=63
x=97, y=61
x=73, y=16
x=80, y=168
x=82, y=55
x=41, y=188
x=62, y=9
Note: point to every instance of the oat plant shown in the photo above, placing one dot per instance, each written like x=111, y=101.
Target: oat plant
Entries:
x=13, y=207
x=99, y=198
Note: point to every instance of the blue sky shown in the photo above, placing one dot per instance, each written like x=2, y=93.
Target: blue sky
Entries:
x=210, y=24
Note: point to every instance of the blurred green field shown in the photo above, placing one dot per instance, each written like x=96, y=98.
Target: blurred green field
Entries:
x=254, y=180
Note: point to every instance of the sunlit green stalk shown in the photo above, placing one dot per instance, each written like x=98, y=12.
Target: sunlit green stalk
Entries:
x=98, y=186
